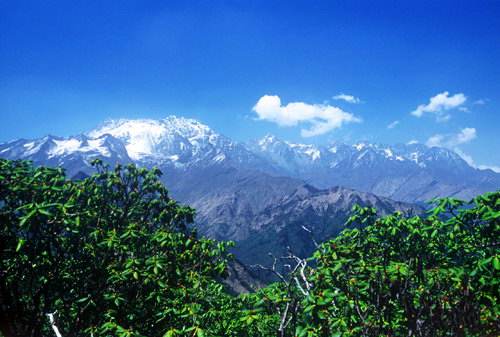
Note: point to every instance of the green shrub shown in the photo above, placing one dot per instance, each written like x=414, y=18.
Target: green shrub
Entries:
x=112, y=255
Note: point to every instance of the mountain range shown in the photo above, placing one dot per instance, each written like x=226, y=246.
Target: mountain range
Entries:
x=405, y=172
x=260, y=193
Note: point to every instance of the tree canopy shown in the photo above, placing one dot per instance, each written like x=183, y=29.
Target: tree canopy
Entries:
x=112, y=254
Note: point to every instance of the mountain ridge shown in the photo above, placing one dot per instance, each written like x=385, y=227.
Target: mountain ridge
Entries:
x=405, y=172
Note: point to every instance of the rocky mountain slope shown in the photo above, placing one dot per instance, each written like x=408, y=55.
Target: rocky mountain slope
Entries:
x=277, y=223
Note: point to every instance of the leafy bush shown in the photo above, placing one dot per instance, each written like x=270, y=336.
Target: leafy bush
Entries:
x=112, y=254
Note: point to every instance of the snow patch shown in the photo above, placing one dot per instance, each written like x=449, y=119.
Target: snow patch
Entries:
x=29, y=145
x=360, y=146
x=72, y=145
x=64, y=146
x=220, y=157
x=267, y=139
x=97, y=145
x=414, y=157
x=314, y=153
x=140, y=136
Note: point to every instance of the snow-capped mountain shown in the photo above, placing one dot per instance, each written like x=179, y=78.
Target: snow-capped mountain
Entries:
x=72, y=153
x=299, y=157
x=405, y=172
x=174, y=141
x=171, y=139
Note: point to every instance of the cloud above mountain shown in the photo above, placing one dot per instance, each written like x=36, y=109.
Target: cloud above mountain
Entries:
x=347, y=98
x=439, y=104
x=451, y=140
x=472, y=162
x=393, y=125
x=322, y=117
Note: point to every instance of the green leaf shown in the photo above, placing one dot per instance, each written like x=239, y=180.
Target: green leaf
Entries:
x=309, y=308
x=337, y=267
x=20, y=244
x=45, y=212
x=434, y=233
x=496, y=263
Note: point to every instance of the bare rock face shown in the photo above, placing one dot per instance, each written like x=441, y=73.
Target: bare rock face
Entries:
x=274, y=226
x=241, y=279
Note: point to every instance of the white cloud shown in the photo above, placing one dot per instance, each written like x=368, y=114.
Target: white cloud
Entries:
x=347, y=98
x=472, y=163
x=464, y=136
x=443, y=118
x=465, y=157
x=393, y=125
x=464, y=109
x=439, y=104
x=323, y=117
x=480, y=101
x=491, y=167
x=412, y=141
x=436, y=140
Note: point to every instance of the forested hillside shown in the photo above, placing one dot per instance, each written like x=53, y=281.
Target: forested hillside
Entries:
x=114, y=255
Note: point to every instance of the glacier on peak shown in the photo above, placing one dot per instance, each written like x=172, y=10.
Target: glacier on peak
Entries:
x=148, y=138
x=79, y=143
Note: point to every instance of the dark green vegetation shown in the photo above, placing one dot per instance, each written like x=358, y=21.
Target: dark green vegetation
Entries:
x=113, y=255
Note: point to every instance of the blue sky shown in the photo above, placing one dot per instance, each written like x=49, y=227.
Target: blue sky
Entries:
x=249, y=68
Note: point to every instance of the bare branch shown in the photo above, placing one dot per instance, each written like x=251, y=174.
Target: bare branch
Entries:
x=311, y=234
x=272, y=269
x=283, y=319
x=52, y=321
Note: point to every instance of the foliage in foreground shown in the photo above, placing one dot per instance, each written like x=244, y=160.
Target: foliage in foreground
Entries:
x=113, y=256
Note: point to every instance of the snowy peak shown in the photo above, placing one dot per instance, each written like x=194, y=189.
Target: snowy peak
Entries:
x=273, y=143
x=155, y=139
x=57, y=147
x=291, y=156
x=173, y=141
